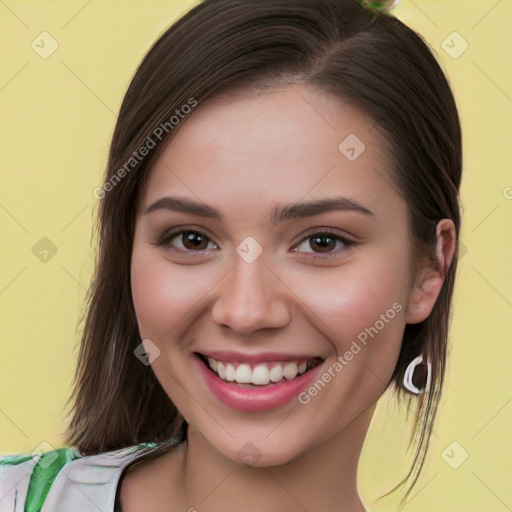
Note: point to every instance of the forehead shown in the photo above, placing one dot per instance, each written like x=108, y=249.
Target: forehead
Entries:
x=282, y=145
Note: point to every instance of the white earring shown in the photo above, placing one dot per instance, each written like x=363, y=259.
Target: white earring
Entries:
x=409, y=376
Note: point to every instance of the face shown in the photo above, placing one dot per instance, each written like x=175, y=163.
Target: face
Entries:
x=272, y=248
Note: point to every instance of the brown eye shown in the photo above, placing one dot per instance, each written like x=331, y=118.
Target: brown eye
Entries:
x=185, y=241
x=193, y=241
x=327, y=244
x=322, y=243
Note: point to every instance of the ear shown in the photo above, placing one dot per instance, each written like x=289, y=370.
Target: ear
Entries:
x=430, y=275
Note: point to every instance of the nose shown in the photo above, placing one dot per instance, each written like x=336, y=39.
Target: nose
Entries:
x=251, y=297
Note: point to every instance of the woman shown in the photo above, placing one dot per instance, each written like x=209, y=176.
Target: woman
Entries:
x=278, y=246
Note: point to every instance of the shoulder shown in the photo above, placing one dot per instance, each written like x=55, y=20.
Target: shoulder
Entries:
x=151, y=483
x=64, y=479
x=15, y=473
x=24, y=477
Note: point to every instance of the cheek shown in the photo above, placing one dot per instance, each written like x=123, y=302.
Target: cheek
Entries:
x=363, y=316
x=360, y=308
x=162, y=295
x=352, y=299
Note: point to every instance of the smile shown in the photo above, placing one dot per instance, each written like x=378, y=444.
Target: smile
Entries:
x=260, y=374
x=256, y=383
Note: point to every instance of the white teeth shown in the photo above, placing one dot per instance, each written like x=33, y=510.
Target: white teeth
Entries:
x=243, y=374
x=261, y=375
x=221, y=369
x=290, y=371
x=276, y=374
x=230, y=372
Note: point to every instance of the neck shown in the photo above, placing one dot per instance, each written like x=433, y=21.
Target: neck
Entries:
x=324, y=478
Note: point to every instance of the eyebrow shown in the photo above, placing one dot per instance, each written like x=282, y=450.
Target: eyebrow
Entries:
x=280, y=213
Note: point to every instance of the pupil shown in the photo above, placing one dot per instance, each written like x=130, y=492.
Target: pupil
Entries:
x=320, y=240
x=191, y=236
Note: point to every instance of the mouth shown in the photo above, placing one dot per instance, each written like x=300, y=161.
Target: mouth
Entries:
x=256, y=383
x=260, y=374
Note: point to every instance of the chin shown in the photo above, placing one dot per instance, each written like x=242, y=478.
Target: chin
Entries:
x=254, y=452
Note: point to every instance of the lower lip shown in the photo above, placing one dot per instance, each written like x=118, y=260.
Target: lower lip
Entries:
x=257, y=398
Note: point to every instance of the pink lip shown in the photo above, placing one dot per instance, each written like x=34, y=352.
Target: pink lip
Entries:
x=254, y=399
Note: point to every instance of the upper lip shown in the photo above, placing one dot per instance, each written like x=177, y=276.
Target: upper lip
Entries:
x=228, y=355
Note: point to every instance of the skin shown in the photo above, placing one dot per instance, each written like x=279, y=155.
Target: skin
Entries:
x=244, y=155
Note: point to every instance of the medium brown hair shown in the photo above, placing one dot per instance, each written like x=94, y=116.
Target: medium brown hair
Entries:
x=372, y=61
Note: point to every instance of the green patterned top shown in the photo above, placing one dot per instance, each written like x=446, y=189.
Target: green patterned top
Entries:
x=64, y=480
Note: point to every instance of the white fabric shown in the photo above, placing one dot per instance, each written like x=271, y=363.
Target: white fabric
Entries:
x=14, y=485
x=86, y=484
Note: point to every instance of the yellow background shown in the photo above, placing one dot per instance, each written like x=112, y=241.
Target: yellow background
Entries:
x=57, y=116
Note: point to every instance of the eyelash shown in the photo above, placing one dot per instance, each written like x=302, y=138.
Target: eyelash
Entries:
x=166, y=238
